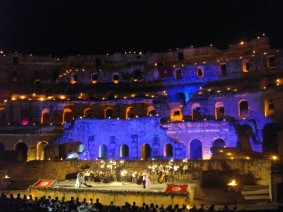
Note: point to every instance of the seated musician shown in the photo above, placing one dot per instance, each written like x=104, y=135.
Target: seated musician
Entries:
x=96, y=176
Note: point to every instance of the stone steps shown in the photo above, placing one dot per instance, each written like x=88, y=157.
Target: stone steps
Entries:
x=256, y=192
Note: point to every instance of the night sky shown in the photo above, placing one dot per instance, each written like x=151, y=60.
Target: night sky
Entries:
x=61, y=27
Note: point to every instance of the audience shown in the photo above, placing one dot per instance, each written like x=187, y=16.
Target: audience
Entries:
x=24, y=203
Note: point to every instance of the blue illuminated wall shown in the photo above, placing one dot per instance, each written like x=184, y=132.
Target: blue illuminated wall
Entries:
x=134, y=133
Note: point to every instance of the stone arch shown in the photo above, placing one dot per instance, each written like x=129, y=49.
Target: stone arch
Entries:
x=108, y=113
x=176, y=114
x=103, y=151
x=2, y=116
x=115, y=78
x=195, y=149
x=168, y=150
x=124, y=151
x=270, y=137
x=145, y=151
x=269, y=109
x=219, y=111
x=181, y=97
x=218, y=143
x=178, y=73
x=40, y=150
x=21, y=149
x=45, y=116
x=243, y=107
x=2, y=147
x=24, y=117
x=88, y=113
x=196, y=115
x=67, y=115
x=93, y=78
x=151, y=111
x=130, y=113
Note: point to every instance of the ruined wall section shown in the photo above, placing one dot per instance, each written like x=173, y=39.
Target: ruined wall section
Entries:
x=93, y=133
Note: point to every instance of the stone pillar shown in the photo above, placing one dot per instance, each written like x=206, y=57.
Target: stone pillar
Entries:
x=275, y=179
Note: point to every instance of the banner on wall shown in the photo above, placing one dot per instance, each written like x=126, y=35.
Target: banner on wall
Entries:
x=44, y=183
x=176, y=188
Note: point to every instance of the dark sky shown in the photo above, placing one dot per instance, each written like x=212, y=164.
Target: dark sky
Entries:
x=70, y=27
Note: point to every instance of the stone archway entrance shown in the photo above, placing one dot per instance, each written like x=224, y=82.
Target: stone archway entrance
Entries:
x=103, y=151
x=124, y=151
x=40, y=150
x=22, y=150
x=168, y=150
x=195, y=149
x=145, y=151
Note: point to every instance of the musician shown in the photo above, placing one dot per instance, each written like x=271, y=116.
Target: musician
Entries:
x=160, y=169
x=139, y=177
x=185, y=169
x=118, y=173
x=144, y=178
x=87, y=175
x=96, y=177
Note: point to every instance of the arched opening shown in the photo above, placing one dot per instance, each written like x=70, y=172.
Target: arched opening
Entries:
x=67, y=115
x=168, y=150
x=270, y=136
x=181, y=97
x=145, y=151
x=45, y=116
x=21, y=149
x=124, y=151
x=176, y=114
x=88, y=113
x=196, y=115
x=137, y=75
x=269, y=108
x=109, y=113
x=178, y=73
x=2, y=147
x=93, y=78
x=40, y=150
x=24, y=117
x=195, y=149
x=243, y=109
x=130, y=113
x=151, y=111
x=103, y=151
x=246, y=65
x=219, y=111
x=2, y=116
x=115, y=78
x=218, y=143
x=200, y=71
x=74, y=78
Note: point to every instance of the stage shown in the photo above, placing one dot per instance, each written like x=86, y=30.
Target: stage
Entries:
x=119, y=192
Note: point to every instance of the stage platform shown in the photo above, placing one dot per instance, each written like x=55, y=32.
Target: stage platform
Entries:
x=120, y=192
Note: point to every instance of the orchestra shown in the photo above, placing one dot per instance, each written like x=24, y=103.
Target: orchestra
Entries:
x=108, y=174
